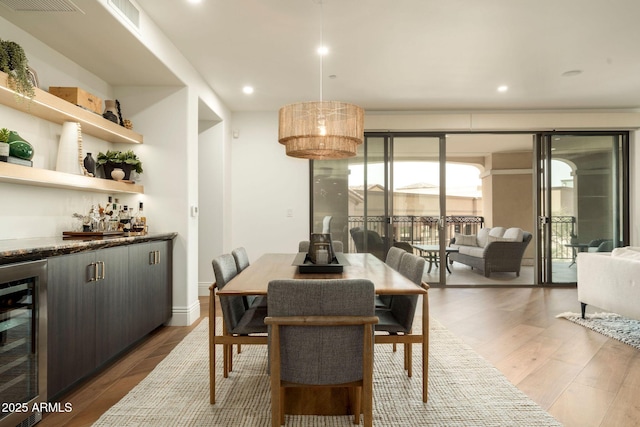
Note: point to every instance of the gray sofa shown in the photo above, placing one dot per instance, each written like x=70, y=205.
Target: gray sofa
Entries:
x=492, y=249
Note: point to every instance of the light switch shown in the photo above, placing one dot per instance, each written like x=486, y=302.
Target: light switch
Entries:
x=289, y=213
x=194, y=211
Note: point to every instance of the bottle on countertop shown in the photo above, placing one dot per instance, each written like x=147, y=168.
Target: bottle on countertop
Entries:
x=125, y=218
x=139, y=221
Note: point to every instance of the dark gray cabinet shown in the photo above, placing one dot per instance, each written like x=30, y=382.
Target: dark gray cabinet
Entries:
x=101, y=302
x=150, y=267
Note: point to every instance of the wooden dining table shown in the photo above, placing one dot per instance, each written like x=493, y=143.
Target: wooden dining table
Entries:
x=255, y=278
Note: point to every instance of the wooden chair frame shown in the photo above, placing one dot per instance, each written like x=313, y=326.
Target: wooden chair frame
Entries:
x=227, y=342
x=364, y=388
x=409, y=339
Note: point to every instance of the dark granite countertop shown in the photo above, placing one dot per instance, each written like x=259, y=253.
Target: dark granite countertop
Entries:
x=18, y=250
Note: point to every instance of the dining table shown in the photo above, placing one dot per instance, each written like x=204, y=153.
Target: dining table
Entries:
x=254, y=281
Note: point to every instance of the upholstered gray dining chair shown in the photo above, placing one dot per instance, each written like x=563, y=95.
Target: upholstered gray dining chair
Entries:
x=397, y=320
x=238, y=318
x=241, y=258
x=394, y=255
x=242, y=261
x=328, y=344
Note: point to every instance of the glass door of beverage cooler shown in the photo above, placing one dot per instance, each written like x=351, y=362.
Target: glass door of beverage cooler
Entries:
x=22, y=342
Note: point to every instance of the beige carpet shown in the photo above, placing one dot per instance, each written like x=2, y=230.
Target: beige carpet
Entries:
x=464, y=390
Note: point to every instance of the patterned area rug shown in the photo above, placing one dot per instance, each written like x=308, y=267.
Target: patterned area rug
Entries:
x=610, y=324
x=464, y=390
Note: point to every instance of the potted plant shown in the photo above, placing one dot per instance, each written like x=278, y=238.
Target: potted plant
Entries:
x=13, y=61
x=4, y=144
x=109, y=161
x=130, y=162
x=127, y=161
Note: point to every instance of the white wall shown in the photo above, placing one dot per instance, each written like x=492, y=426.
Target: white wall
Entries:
x=265, y=185
x=168, y=119
x=211, y=201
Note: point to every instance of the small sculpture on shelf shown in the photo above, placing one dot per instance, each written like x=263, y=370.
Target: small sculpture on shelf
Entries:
x=110, y=112
x=14, y=148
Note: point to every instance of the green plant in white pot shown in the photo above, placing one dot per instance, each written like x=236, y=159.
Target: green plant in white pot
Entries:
x=127, y=161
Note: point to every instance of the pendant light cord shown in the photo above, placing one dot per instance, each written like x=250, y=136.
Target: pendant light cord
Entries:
x=322, y=48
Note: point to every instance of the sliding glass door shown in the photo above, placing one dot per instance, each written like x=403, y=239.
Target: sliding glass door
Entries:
x=583, y=181
x=388, y=195
x=416, y=190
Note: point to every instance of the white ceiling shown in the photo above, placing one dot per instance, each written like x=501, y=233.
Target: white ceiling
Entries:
x=403, y=55
x=386, y=54
x=412, y=54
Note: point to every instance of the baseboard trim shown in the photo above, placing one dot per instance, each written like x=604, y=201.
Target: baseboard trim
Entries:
x=203, y=289
x=185, y=316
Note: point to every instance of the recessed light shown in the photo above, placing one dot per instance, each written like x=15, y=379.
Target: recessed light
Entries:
x=323, y=50
x=571, y=73
x=503, y=88
x=247, y=90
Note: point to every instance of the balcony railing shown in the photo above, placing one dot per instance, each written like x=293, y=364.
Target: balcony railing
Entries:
x=424, y=230
x=418, y=229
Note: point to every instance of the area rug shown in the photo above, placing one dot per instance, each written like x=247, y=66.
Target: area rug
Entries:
x=612, y=325
x=464, y=390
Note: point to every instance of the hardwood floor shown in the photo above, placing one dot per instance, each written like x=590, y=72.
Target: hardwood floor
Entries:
x=581, y=377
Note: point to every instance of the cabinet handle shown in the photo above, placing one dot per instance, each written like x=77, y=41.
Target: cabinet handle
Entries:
x=92, y=276
x=101, y=277
x=152, y=257
x=158, y=257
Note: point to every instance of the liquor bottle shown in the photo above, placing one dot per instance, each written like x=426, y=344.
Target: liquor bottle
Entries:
x=114, y=222
x=125, y=219
x=140, y=221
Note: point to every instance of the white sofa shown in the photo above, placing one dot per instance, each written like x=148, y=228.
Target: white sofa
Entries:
x=610, y=281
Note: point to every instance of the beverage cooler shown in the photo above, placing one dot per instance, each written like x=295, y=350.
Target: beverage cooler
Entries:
x=23, y=342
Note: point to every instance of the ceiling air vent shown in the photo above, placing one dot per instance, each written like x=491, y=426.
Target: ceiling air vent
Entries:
x=40, y=5
x=127, y=10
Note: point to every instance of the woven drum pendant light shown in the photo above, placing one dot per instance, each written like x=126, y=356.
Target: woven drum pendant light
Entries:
x=320, y=130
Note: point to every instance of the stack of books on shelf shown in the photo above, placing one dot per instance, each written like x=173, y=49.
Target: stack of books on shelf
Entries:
x=19, y=161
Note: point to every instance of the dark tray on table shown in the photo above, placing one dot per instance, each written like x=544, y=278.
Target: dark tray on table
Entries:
x=305, y=266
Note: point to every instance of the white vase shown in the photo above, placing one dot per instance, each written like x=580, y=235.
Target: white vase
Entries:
x=68, y=151
x=117, y=174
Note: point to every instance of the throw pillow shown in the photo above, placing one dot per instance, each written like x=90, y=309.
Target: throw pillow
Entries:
x=497, y=231
x=466, y=239
x=497, y=239
x=513, y=234
x=483, y=234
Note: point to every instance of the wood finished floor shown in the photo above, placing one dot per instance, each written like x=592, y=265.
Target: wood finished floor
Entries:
x=581, y=377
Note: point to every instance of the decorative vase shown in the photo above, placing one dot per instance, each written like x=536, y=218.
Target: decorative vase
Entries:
x=69, y=150
x=90, y=164
x=320, y=248
x=19, y=147
x=117, y=174
x=110, y=111
x=107, y=168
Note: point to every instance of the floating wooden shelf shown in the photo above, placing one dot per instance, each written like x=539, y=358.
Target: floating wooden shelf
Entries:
x=18, y=174
x=50, y=107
